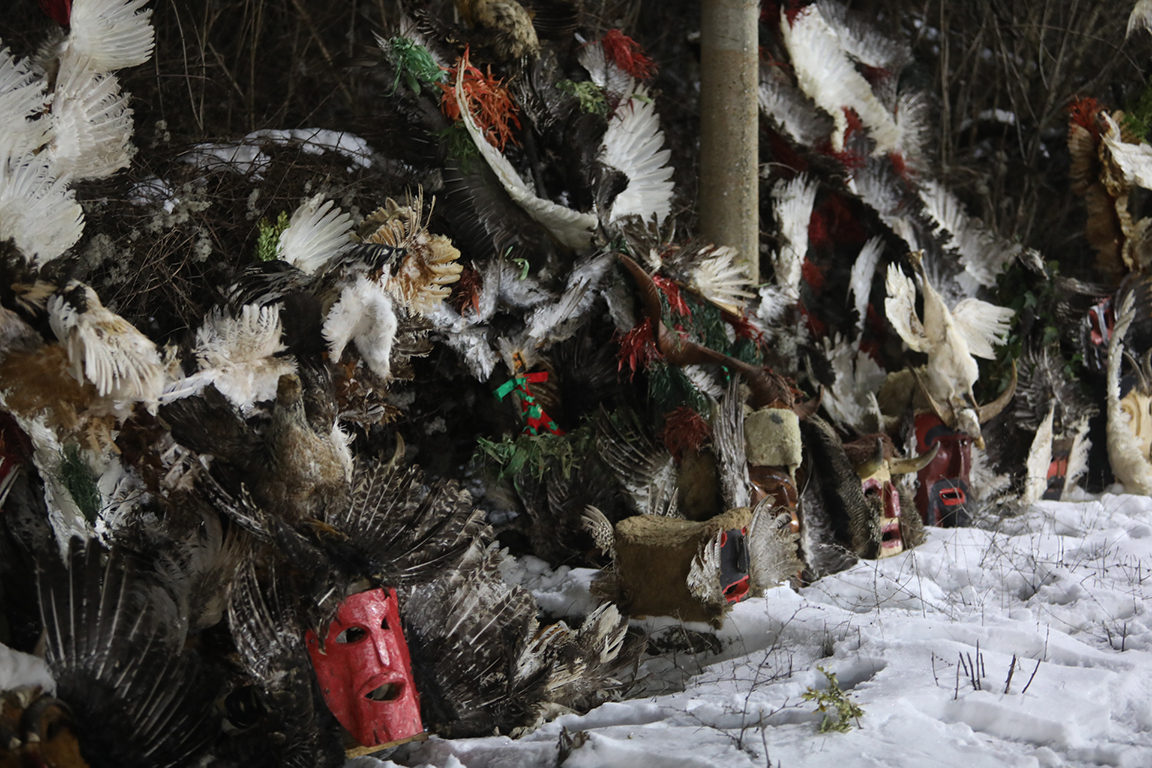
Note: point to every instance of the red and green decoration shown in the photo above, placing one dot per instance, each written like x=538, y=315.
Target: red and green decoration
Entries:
x=538, y=422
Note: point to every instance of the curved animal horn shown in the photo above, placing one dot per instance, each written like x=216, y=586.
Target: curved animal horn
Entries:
x=945, y=415
x=993, y=409
x=33, y=716
x=649, y=293
x=873, y=463
x=913, y=464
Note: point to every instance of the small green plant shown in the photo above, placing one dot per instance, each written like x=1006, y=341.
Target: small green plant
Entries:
x=80, y=482
x=269, y=240
x=839, y=711
x=589, y=95
x=414, y=64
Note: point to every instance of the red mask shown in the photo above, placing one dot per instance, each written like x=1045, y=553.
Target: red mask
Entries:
x=942, y=497
x=365, y=671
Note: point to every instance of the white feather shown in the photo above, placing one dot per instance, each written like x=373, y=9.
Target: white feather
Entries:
x=1141, y=16
x=91, y=125
x=470, y=341
x=317, y=231
x=860, y=284
x=983, y=254
x=107, y=350
x=722, y=278
x=633, y=145
x=772, y=550
x=22, y=100
x=237, y=355
x=1125, y=454
x=792, y=201
x=571, y=228
x=704, y=574
x=364, y=316
x=864, y=42
x=1039, y=461
x=1134, y=160
x=109, y=34
x=851, y=398
x=792, y=110
x=900, y=309
x=982, y=325
x=603, y=72
x=37, y=210
x=827, y=75
x=556, y=321
x=1077, y=458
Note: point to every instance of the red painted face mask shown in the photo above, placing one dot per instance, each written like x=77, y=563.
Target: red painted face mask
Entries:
x=942, y=497
x=365, y=671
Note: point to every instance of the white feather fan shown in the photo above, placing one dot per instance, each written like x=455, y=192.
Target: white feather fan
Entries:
x=109, y=34
x=633, y=145
x=22, y=100
x=37, y=210
x=792, y=201
x=317, y=231
x=91, y=125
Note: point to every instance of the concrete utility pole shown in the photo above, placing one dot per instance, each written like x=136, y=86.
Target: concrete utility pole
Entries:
x=729, y=119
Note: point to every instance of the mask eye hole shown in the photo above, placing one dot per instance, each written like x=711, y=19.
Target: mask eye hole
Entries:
x=352, y=635
x=384, y=624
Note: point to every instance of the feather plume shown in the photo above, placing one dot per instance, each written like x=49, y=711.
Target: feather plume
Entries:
x=704, y=573
x=1039, y=459
x=109, y=34
x=645, y=470
x=900, y=309
x=791, y=109
x=862, y=39
x=1077, y=458
x=982, y=325
x=91, y=125
x=239, y=356
x=772, y=548
x=112, y=648
x=851, y=397
x=317, y=232
x=571, y=228
x=604, y=72
x=792, y=201
x=1141, y=17
x=632, y=145
x=827, y=75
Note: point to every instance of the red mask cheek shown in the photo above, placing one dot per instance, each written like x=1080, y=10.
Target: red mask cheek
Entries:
x=365, y=671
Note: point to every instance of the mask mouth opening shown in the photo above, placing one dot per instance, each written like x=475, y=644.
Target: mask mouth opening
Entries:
x=737, y=591
x=386, y=692
x=891, y=536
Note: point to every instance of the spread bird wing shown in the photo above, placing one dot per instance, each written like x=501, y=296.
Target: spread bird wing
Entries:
x=408, y=529
x=645, y=470
x=317, y=231
x=900, y=306
x=569, y=227
x=633, y=145
x=92, y=125
x=111, y=648
x=982, y=325
x=110, y=34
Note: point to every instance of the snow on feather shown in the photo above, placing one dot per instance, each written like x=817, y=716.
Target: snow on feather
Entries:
x=317, y=231
x=571, y=228
x=633, y=145
x=828, y=76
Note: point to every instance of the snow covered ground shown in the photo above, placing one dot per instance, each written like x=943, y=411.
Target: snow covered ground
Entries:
x=1056, y=596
